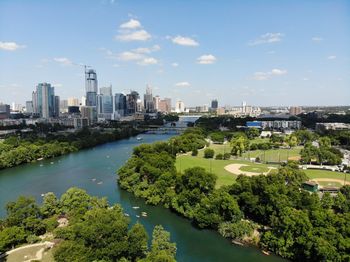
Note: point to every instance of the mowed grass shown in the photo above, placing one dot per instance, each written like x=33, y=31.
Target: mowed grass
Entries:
x=20, y=255
x=217, y=167
x=330, y=184
x=274, y=155
x=315, y=173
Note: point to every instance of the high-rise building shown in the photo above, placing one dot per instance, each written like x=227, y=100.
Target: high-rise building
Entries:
x=179, y=107
x=91, y=87
x=4, y=111
x=89, y=112
x=164, y=105
x=156, y=101
x=214, y=104
x=44, y=100
x=64, y=106
x=29, y=107
x=295, y=110
x=131, y=102
x=148, y=100
x=119, y=105
x=57, y=106
x=105, y=103
x=72, y=101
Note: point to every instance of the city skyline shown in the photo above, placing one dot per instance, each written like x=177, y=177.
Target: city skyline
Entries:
x=285, y=56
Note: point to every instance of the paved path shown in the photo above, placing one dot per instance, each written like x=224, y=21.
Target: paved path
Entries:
x=39, y=253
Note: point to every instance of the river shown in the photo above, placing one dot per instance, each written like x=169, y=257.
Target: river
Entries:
x=100, y=163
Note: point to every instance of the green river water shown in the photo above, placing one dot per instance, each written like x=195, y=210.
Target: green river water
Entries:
x=100, y=163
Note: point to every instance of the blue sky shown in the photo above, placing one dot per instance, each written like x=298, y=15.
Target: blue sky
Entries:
x=267, y=52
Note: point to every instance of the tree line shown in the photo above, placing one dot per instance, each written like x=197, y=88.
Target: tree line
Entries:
x=95, y=230
x=16, y=150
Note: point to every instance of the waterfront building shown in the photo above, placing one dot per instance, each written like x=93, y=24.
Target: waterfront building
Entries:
x=179, y=107
x=164, y=105
x=105, y=103
x=89, y=112
x=156, y=101
x=295, y=110
x=44, y=100
x=131, y=102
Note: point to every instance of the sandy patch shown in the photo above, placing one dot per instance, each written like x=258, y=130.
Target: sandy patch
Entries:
x=235, y=169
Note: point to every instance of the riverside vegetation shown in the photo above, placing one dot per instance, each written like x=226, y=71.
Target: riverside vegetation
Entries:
x=17, y=150
x=95, y=230
x=268, y=211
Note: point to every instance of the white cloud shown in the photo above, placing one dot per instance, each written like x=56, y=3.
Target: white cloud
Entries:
x=183, y=84
x=317, y=39
x=130, y=56
x=185, y=41
x=147, y=50
x=148, y=61
x=131, y=24
x=278, y=72
x=206, y=59
x=63, y=61
x=139, y=35
x=267, y=75
x=10, y=46
x=175, y=64
x=331, y=57
x=267, y=38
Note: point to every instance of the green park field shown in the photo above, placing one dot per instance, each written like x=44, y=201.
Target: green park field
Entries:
x=326, y=178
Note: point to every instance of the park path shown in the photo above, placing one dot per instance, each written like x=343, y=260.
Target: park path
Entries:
x=39, y=253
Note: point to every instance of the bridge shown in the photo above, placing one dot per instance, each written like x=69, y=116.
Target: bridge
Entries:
x=165, y=130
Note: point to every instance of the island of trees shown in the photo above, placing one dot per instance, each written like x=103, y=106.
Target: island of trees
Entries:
x=92, y=230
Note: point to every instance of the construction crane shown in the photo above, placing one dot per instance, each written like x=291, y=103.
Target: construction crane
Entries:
x=85, y=66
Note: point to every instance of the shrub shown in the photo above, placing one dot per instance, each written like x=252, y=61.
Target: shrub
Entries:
x=219, y=156
x=227, y=156
x=209, y=153
x=195, y=152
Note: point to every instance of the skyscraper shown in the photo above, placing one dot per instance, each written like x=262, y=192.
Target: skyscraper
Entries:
x=214, y=104
x=148, y=100
x=119, y=105
x=105, y=103
x=91, y=87
x=44, y=100
x=131, y=102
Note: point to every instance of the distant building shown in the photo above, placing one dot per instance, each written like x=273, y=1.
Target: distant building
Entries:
x=57, y=106
x=4, y=111
x=89, y=112
x=256, y=124
x=295, y=110
x=29, y=107
x=81, y=122
x=131, y=102
x=179, y=107
x=310, y=186
x=105, y=103
x=44, y=100
x=164, y=105
x=214, y=104
x=64, y=106
x=119, y=105
x=72, y=101
x=156, y=101
x=148, y=100
x=91, y=87
x=321, y=127
x=73, y=110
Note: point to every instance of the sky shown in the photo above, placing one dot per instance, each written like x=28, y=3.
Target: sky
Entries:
x=267, y=53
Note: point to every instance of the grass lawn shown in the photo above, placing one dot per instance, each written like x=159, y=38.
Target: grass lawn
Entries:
x=273, y=155
x=19, y=255
x=217, y=167
x=330, y=184
x=312, y=173
x=255, y=169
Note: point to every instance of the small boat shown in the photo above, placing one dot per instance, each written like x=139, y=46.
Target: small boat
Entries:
x=139, y=138
x=100, y=183
x=135, y=207
x=267, y=253
x=42, y=195
x=144, y=214
x=94, y=179
x=237, y=243
x=126, y=214
x=137, y=216
x=51, y=163
x=41, y=164
x=41, y=158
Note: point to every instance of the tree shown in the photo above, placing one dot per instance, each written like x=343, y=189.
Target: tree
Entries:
x=239, y=145
x=50, y=205
x=292, y=141
x=253, y=133
x=137, y=238
x=209, y=153
x=10, y=237
x=162, y=249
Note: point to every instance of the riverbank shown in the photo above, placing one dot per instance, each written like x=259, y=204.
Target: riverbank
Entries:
x=16, y=151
